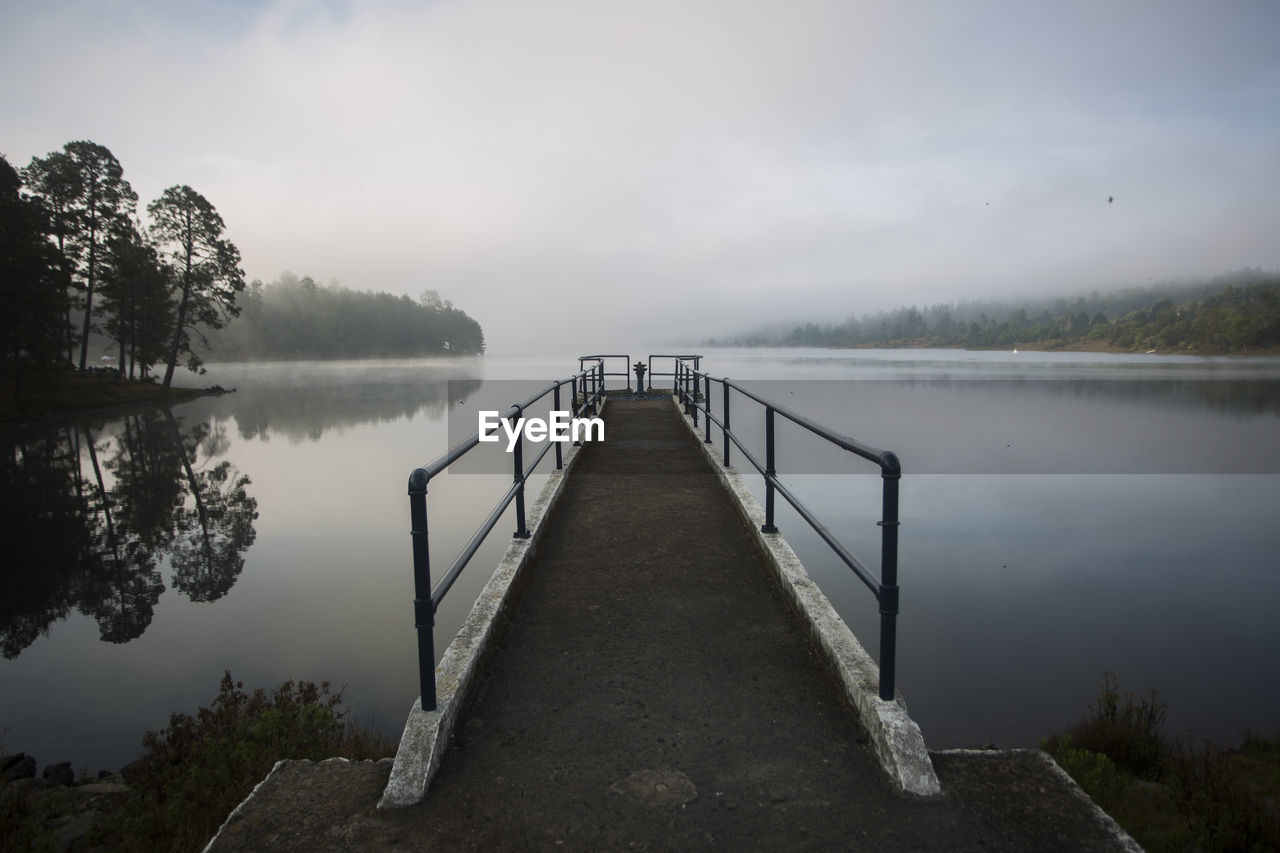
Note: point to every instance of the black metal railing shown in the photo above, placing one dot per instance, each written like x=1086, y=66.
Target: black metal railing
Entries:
x=674, y=373
x=694, y=391
x=604, y=362
x=586, y=390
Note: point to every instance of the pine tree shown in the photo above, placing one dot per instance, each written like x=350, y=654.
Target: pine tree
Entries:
x=207, y=274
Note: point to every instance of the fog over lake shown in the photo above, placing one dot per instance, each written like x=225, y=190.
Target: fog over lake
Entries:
x=1063, y=514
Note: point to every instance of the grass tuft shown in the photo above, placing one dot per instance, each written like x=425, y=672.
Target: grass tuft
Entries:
x=1171, y=795
x=192, y=774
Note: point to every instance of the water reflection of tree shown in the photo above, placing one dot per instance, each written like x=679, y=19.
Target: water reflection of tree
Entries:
x=88, y=521
x=46, y=540
x=303, y=410
x=122, y=595
x=214, y=533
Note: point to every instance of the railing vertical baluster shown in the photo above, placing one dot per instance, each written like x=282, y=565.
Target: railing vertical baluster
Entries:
x=424, y=611
x=517, y=455
x=726, y=421
x=692, y=381
x=891, y=473
x=706, y=398
x=555, y=407
x=770, y=471
x=691, y=378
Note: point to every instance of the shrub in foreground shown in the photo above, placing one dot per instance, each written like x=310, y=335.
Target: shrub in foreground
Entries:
x=192, y=774
x=1171, y=794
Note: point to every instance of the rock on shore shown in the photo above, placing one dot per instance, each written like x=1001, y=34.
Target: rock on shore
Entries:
x=53, y=805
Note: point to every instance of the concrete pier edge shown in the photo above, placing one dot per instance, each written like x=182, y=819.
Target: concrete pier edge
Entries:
x=426, y=733
x=242, y=805
x=897, y=739
x=1123, y=840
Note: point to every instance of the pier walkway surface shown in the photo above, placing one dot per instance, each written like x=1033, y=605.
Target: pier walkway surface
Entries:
x=652, y=690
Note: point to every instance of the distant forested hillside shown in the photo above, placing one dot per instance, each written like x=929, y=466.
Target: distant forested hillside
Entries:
x=1237, y=313
x=297, y=318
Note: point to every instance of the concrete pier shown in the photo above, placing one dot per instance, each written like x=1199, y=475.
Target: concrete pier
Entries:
x=650, y=682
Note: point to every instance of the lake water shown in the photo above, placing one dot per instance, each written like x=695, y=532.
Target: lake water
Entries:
x=1063, y=514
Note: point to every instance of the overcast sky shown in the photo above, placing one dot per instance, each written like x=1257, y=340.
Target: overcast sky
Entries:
x=590, y=170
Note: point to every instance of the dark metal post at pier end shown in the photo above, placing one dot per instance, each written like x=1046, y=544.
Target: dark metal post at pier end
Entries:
x=639, y=368
x=555, y=406
x=424, y=610
x=706, y=397
x=725, y=428
x=770, y=472
x=891, y=473
x=573, y=399
x=522, y=530
x=691, y=384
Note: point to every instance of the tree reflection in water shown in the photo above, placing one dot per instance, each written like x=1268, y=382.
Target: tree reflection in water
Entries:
x=90, y=519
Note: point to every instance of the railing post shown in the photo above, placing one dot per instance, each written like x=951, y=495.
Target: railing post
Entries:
x=726, y=421
x=706, y=398
x=770, y=472
x=424, y=611
x=555, y=407
x=891, y=473
x=522, y=531
x=692, y=382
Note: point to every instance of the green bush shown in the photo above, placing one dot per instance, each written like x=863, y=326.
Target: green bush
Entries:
x=1094, y=772
x=1171, y=796
x=192, y=774
x=1223, y=793
x=1129, y=732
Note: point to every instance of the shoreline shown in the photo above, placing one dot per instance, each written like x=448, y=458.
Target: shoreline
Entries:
x=59, y=398
x=1075, y=346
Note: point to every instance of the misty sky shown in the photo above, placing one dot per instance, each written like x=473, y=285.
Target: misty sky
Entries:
x=594, y=171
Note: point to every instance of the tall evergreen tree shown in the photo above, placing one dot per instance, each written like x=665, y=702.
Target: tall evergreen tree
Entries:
x=98, y=200
x=31, y=320
x=136, y=300
x=56, y=181
x=207, y=274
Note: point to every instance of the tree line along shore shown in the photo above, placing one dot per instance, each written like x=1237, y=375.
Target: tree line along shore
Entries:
x=1234, y=314
x=87, y=284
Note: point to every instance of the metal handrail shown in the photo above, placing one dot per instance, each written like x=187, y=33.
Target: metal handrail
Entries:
x=601, y=360
x=587, y=387
x=885, y=589
x=675, y=371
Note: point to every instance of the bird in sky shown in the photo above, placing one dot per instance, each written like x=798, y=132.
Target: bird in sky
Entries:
x=1110, y=199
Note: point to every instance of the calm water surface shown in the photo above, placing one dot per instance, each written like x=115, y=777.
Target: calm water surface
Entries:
x=1062, y=515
